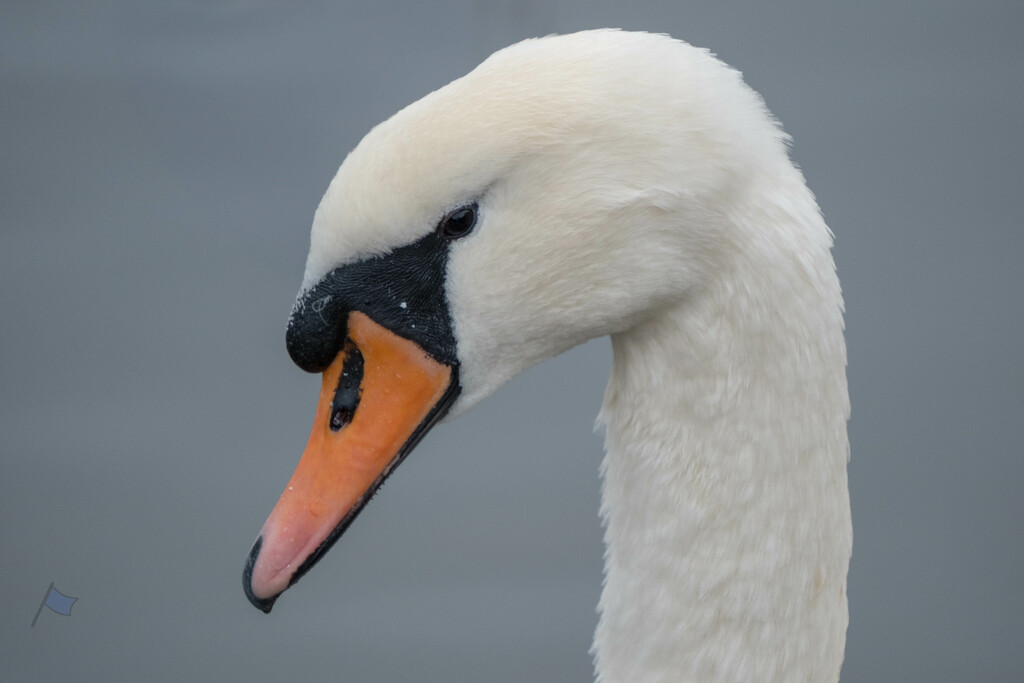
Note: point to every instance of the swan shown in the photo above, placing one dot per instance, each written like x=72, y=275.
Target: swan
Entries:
x=574, y=186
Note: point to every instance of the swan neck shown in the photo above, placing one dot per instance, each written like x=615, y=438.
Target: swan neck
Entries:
x=725, y=495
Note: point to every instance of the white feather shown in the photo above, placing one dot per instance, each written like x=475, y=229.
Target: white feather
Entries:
x=632, y=185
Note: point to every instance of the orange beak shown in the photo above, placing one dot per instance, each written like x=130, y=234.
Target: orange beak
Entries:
x=363, y=428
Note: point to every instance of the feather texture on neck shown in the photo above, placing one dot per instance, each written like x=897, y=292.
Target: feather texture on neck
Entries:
x=725, y=492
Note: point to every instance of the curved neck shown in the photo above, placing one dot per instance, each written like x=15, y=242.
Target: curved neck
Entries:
x=725, y=496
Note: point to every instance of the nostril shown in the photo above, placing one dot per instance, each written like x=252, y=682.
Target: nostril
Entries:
x=340, y=418
x=346, y=396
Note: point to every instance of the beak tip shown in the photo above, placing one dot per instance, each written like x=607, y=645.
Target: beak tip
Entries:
x=262, y=604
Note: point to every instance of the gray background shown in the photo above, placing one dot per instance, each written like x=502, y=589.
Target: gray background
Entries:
x=160, y=166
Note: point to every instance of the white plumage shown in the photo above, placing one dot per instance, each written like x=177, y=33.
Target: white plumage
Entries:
x=632, y=185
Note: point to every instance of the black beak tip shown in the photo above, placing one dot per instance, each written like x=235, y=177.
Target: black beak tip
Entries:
x=262, y=604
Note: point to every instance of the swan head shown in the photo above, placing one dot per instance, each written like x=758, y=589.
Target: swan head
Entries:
x=567, y=188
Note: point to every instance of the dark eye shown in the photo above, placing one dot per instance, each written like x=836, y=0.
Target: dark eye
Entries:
x=458, y=223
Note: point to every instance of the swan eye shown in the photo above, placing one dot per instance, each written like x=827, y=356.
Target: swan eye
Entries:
x=458, y=223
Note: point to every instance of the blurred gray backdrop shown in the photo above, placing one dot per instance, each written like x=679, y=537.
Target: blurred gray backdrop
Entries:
x=160, y=166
